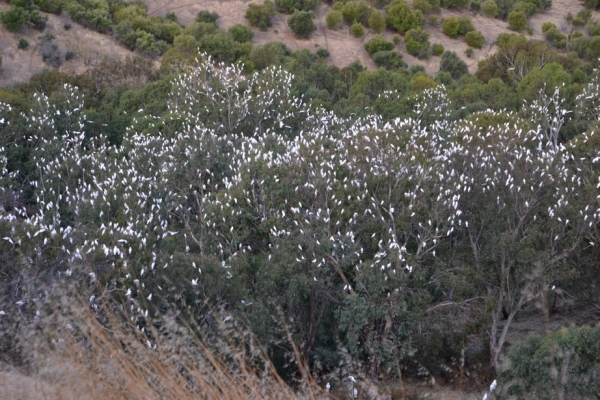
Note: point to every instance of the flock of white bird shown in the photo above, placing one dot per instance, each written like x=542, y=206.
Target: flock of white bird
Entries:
x=236, y=163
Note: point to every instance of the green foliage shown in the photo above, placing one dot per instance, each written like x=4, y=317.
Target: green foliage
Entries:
x=451, y=62
x=517, y=21
x=547, y=26
x=14, y=18
x=241, y=33
x=334, y=19
x=23, y=44
x=455, y=3
x=490, y=7
x=422, y=5
x=147, y=44
x=289, y=6
x=465, y=25
x=389, y=59
x=378, y=43
x=268, y=54
x=207, y=17
x=260, y=15
x=562, y=364
x=437, y=49
x=469, y=52
x=125, y=34
x=417, y=42
x=377, y=22
x=357, y=29
x=301, y=23
x=356, y=11
x=450, y=26
x=402, y=18
x=475, y=39
x=591, y=3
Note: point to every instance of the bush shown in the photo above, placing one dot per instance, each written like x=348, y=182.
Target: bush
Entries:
x=417, y=43
x=452, y=63
x=490, y=8
x=455, y=3
x=51, y=54
x=207, y=16
x=288, y=6
x=69, y=55
x=422, y=5
x=356, y=11
x=125, y=34
x=546, y=26
x=402, y=18
x=388, y=59
x=475, y=39
x=241, y=33
x=517, y=21
x=357, y=29
x=23, y=44
x=469, y=52
x=566, y=361
x=396, y=39
x=437, y=49
x=465, y=25
x=260, y=15
x=14, y=18
x=301, y=23
x=450, y=27
x=378, y=43
x=334, y=19
x=322, y=53
x=377, y=22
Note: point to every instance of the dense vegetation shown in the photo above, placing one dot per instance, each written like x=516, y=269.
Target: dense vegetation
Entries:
x=364, y=223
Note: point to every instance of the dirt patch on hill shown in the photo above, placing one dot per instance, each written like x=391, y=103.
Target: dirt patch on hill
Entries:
x=89, y=49
x=345, y=48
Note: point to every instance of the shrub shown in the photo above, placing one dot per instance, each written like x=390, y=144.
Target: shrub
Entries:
x=125, y=34
x=591, y=3
x=476, y=5
x=356, y=11
x=546, y=26
x=566, y=361
x=377, y=22
x=490, y=8
x=241, y=33
x=517, y=21
x=260, y=15
x=433, y=19
x=69, y=55
x=301, y=23
x=402, y=18
x=475, y=39
x=422, y=5
x=417, y=42
x=207, y=16
x=455, y=3
x=437, y=49
x=51, y=54
x=396, y=39
x=465, y=25
x=357, y=29
x=323, y=53
x=378, y=43
x=469, y=52
x=14, y=18
x=334, y=19
x=23, y=44
x=452, y=64
x=288, y=6
x=450, y=27
x=388, y=59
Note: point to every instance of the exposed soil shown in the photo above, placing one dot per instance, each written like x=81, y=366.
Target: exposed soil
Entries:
x=90, y=48
x=345, y=48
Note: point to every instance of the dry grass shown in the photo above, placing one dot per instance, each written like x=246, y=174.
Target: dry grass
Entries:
x=77, y=352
